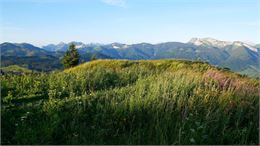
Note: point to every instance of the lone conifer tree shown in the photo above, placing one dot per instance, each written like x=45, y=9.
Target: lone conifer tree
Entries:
x=71, y=57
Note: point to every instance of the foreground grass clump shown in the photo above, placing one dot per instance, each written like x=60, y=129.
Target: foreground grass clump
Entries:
x=131, y=102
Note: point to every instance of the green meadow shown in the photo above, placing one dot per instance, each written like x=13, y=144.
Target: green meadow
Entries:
x=131, y=102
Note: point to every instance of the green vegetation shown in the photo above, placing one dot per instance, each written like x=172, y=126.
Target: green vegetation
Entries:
x=71, y=57
x=35, y=63
x=93, y=57
x=15, y=68
x=131, y=102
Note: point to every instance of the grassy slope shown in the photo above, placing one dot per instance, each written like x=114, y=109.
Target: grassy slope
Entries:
x=15, y=68
x=131, y=102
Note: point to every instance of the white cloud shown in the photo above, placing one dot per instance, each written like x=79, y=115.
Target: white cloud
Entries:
x=118, y=3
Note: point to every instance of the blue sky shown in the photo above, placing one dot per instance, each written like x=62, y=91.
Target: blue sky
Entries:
x=42, y=22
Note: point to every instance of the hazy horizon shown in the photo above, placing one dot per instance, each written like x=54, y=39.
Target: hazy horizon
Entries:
x=127, y=21
x=42, y=45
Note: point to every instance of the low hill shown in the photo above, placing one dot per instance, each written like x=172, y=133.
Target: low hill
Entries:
x=131, y=102
x=15, y=69
x=37, y=59
x=35, y=63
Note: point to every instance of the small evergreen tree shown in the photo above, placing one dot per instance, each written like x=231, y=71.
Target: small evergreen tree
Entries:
x=71, y=57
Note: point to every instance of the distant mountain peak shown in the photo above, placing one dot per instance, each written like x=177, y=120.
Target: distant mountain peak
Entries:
x=196, y=41
x=117, y=45
x=242, y=44
x=61, y=43
x=78, y=45
x=238, y=43
x=220, y=44
x=209, y=42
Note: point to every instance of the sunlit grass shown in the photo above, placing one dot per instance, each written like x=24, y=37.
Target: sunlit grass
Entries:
x=131, y=102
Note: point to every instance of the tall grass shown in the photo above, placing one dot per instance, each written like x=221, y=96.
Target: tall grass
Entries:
x=131, y=102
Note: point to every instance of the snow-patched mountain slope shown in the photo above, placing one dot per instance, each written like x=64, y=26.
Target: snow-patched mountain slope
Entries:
x=209, y=42
x=220, y=44
x=242, y=44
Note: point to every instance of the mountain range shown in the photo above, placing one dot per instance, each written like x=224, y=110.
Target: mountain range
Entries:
x=238, y=56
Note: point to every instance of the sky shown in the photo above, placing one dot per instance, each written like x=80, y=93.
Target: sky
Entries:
x=42, y=22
